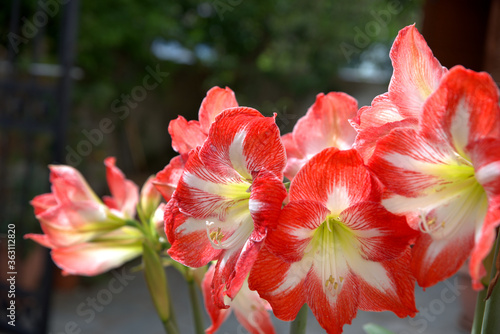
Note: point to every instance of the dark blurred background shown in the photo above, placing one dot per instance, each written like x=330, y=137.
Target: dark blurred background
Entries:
x=83, y=80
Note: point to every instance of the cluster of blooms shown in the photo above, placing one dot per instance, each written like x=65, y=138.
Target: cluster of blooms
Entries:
x=404, y=190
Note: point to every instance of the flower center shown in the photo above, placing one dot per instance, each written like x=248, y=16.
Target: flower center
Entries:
x=461, y=200
x=222, y=238
x=331, y=242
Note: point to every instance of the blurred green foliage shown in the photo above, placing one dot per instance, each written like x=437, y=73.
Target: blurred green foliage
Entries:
x=276, y=56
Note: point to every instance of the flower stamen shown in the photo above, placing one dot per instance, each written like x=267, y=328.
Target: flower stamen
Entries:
x=238, y=237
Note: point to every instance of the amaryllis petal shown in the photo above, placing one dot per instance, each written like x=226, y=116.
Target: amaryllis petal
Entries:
x=243, y=141
x=217, y=100
x=297, y=221
x=72, y=223
x=486, y=155
x=381, y=112
x=374, y=228
x=188, y=237
x=352, y=184
x=294, y=158
x=267, y=195
x=406, y=154
x=188, y=135
x=43, y=202
x=436, y=260
x=451, y=113
x=367, y=139
x=325, y=125
x=282, y=286
x=125, y=193
x=250, y=310
x=333, y=312
x=232, y=269
x=68, y=185
x=202, y=192
x=167, y=179
x=90, y=259
x=185, y=135
x=217, y=315
x=397, y=295
x=41, y=239
x=417, y=72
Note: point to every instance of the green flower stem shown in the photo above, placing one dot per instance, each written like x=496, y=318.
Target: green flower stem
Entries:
x=195, y=303
x=491, y=320
x=170, y=327
x=479, y=312
x=158, y=287
x=298, y=326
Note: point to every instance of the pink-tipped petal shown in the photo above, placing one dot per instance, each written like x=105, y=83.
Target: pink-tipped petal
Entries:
x=68, y=185
x=91, y=259
x=217, y=100
x=381, y=112
x=43, y=202
x=326, y=124
x=417, y=72
x=167, y=179
x=217, y=315
x=125, y=192
x=185, y=135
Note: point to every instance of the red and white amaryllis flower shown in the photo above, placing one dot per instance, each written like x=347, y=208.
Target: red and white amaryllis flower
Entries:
x=87, y=236
x=229, y=195
x=335, y=247
x=188, y=135
x=446, y=176
x=416, y=75
x=325, y=125
x=250, y=310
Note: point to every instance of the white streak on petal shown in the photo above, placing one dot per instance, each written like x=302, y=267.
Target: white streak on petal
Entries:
x=236, y=154
x=232, y=189
x=459, y=128
x=488, y=173
x=372, y=272
x=255, y=205
x=338, y=200
x=296, y=273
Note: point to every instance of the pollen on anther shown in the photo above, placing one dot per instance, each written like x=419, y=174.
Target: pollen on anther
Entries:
x=216, y=236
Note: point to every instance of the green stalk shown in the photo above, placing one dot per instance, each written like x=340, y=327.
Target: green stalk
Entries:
x=195, y=303
x=170, y=327
x=491, y=320
x=298, y=325
x=479, y=312
x=158, y=287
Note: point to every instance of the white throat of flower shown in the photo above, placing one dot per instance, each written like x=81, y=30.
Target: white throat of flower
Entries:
x=238, y=238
